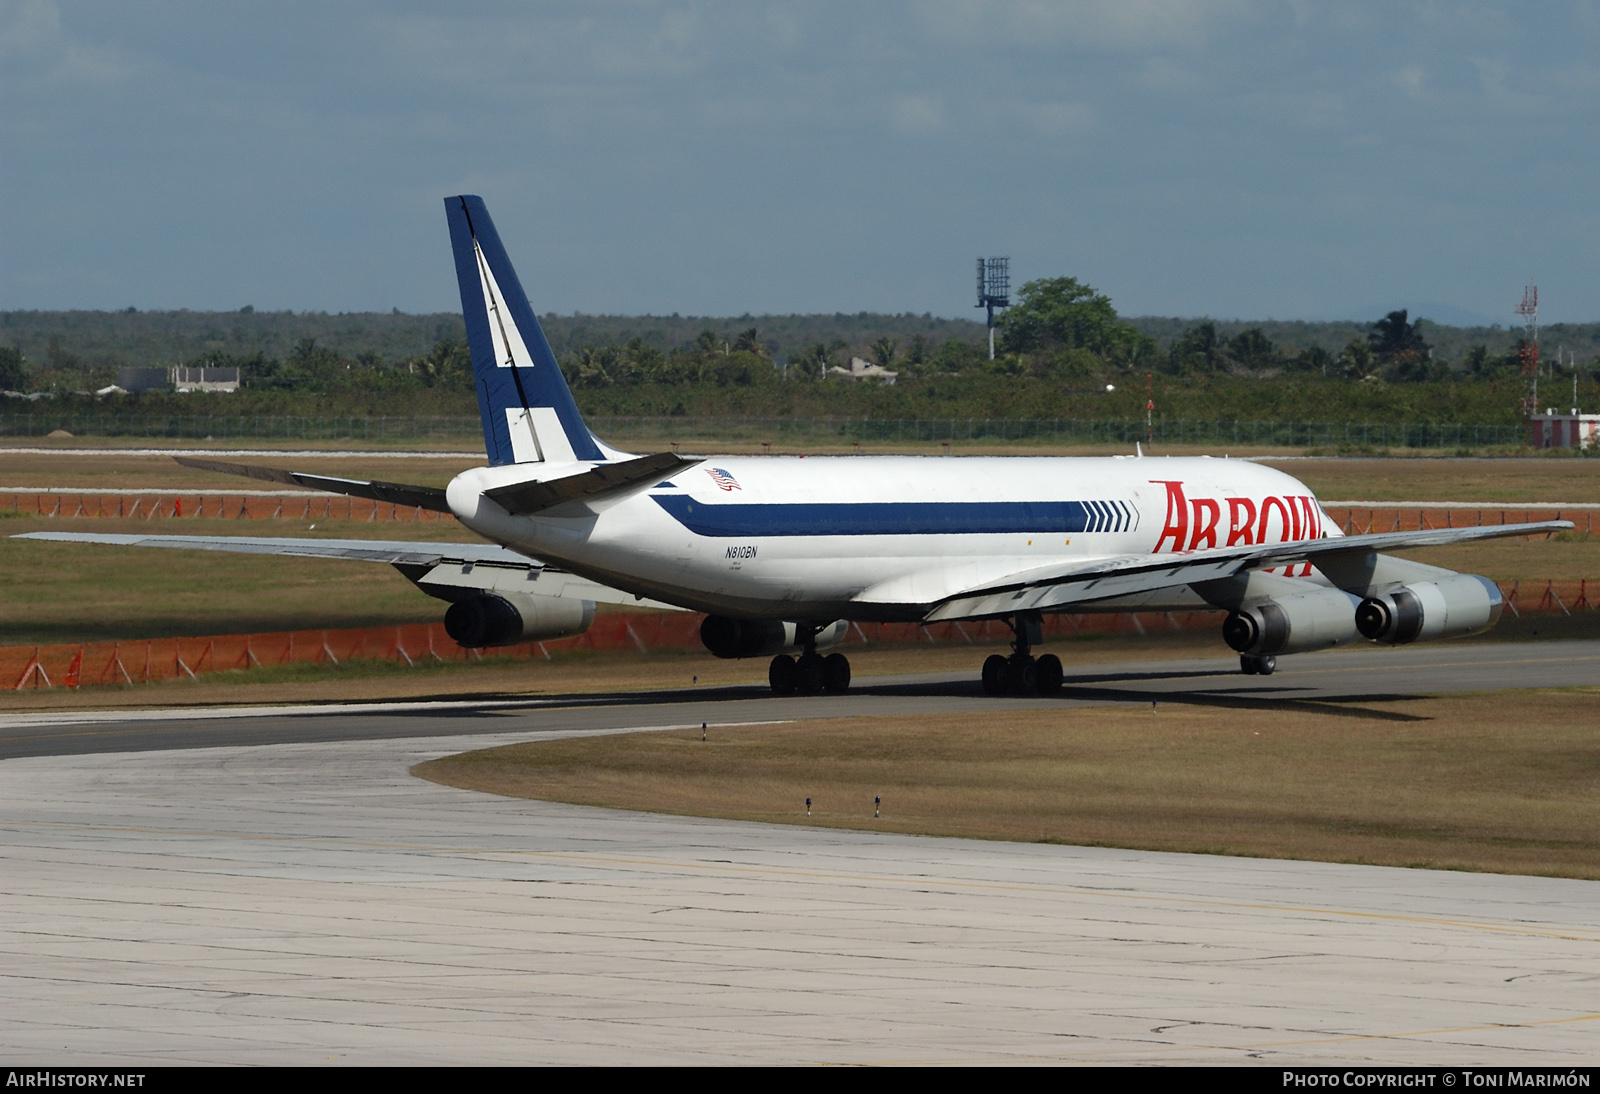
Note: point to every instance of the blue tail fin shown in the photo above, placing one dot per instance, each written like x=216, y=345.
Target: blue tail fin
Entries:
x=527, y=408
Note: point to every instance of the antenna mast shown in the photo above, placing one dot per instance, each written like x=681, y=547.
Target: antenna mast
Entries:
x=994, y=290
x=1529, y=310
x=1150, y=408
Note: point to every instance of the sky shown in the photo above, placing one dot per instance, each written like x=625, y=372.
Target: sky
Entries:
x=1235, y=159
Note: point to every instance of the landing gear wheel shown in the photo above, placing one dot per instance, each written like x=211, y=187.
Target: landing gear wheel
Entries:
x=995, y=675
x=1247, y=664
x=809, y=674
x=1048, y=674
x=1023, y=674
x=782, y=675
x=836, y=673
x=1251, y=665
x=1266, y=666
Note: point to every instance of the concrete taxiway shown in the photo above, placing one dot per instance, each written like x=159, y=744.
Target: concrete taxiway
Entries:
x=309, y=901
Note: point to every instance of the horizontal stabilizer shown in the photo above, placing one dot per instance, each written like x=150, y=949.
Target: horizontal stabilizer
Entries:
x=357, y=550
x=415, y=497
x=439, y=569
x=527, y=498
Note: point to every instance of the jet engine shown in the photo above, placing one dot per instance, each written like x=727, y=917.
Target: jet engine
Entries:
x=1445, y=608
x=1316, y=620
x=504, y=619
x=728, y=637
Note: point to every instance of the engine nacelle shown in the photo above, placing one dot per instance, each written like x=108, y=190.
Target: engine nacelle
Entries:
x=1316, y=620
x=1447, y=608
x=504, y=619
x=728, y=637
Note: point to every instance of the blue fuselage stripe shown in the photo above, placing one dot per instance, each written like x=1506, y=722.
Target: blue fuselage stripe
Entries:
x=889, y=518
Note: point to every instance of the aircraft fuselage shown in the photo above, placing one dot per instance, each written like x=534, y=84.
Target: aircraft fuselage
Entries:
x=822, y=537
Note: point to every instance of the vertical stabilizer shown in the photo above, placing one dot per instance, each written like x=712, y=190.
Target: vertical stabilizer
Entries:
x=527, y=408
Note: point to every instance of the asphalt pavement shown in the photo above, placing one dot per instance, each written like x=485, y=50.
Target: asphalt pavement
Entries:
x=1304, y=681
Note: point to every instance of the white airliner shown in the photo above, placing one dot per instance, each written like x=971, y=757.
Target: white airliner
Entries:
x=782, y=553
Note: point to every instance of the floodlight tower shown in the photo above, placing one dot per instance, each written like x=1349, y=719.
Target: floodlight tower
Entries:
x=1529, y=310
x=994, y=290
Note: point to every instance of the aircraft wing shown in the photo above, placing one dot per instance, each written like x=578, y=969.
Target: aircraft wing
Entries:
x=1058, y=587
x=439, y=569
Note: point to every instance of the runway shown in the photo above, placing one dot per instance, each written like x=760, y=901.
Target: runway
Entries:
x=308, y=901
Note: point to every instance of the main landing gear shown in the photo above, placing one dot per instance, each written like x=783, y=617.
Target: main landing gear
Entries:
x=1251, y=665
x=1022, y=673
x=810, y=673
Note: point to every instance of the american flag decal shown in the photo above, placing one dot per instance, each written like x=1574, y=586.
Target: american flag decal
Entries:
x=723, y=480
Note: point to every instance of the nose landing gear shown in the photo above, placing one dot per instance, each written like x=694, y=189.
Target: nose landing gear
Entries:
x=1022, y=673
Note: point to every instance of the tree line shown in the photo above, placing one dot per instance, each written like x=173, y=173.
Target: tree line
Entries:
x=1061, y=324
x=1060, y=348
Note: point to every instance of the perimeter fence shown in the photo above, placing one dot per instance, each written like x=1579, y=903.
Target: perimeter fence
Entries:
x=83, y=664
x=821, y=431
x=125, y=663
x=242, y=427
x=1085, y=431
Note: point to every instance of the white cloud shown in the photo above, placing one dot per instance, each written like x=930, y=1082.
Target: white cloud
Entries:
x=1497, y=80
x=1169, y=76
x=1316, y=110
x=916, y=115
x=1117, y=25
x=33, y=40
x=28, y=25
x=1580, y=78
x=672, y=46
x=535, y=49
x=1409, y=79
x=1059, y=119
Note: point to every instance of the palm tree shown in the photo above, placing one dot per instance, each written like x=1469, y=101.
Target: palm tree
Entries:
x=1200, y=349
x=750, y=342
x=442, y=363
x=1359, y=362
x=596, y=367
x=1396, y=341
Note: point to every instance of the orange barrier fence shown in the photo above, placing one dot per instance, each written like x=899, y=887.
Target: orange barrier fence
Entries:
x=1548, y=598
x=1357, y=521
x=81, y=664
x=158, y=505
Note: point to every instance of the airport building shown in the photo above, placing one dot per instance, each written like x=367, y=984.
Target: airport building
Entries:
x=205, y=379
x=1553, y=430
x=178, y=378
